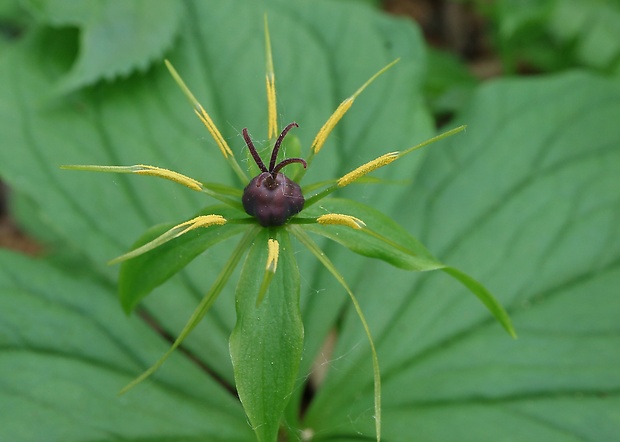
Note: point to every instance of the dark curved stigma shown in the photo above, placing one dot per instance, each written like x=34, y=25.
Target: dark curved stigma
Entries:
x=255, y=154
x=273, y=167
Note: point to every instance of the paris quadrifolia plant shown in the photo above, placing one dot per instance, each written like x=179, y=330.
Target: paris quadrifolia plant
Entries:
x=266, y=211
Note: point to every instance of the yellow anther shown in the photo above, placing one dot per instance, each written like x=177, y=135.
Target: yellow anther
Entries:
x=143, y=169
x=329, y=125
x=272, y=131
x=202, y=114
x=175, y=232
x=342, y=109
x=272, y=125
x=200, y=221
x=217, y=136
x=273, y=250
x=341, y=220
x=364, y=169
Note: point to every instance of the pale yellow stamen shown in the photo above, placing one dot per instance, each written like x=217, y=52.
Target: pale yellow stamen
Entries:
x=342, y=109
x=273, y=251
x=217, y=136
x=202, y=114
x=364, y=169
x=272, y=131
x=341, y=220
x=201, y=221
x=271, y=106
x=142, y=169
x=174, y=232
x=329, y=125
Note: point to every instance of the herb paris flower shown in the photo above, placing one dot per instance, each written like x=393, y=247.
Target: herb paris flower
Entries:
x=269, y=279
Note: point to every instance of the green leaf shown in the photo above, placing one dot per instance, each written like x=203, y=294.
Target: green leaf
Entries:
x=382, y=239
x=267, y=341
x=139, y=276
x=66, y=349
x=116, y=38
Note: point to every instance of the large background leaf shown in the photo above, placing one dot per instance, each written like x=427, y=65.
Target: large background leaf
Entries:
x=116, y=38
x=525, y=200
x=66, y=349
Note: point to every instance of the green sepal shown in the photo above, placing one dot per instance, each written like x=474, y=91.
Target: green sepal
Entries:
x=222, y=192
x=203, y=307
x=267, y=341
x=382, y=239
x=139, y=276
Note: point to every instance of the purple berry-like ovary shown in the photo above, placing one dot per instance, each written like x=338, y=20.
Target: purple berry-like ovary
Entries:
x=271, y=197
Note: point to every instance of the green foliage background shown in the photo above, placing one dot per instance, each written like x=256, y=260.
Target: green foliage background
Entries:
x=527, y=200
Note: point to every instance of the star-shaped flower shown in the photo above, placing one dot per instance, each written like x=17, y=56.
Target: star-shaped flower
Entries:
x=273, y=207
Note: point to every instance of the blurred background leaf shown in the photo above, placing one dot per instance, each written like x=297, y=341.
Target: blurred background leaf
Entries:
x=528, y=202
x=115, y=38
x=556, y=34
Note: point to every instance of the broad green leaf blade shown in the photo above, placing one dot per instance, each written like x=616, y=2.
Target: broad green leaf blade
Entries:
x=66, y=349
x=382, y=239
x=267, y=341
x=116, y=38
x=142, y=274
x=527, y=201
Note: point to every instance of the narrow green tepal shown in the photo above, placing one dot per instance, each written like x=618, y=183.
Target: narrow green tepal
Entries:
x=139, y=276
x=485, y=297
x=267, y=341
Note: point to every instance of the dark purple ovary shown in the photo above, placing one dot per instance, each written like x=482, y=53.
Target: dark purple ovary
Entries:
x=272, y=201
x=271, y=197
